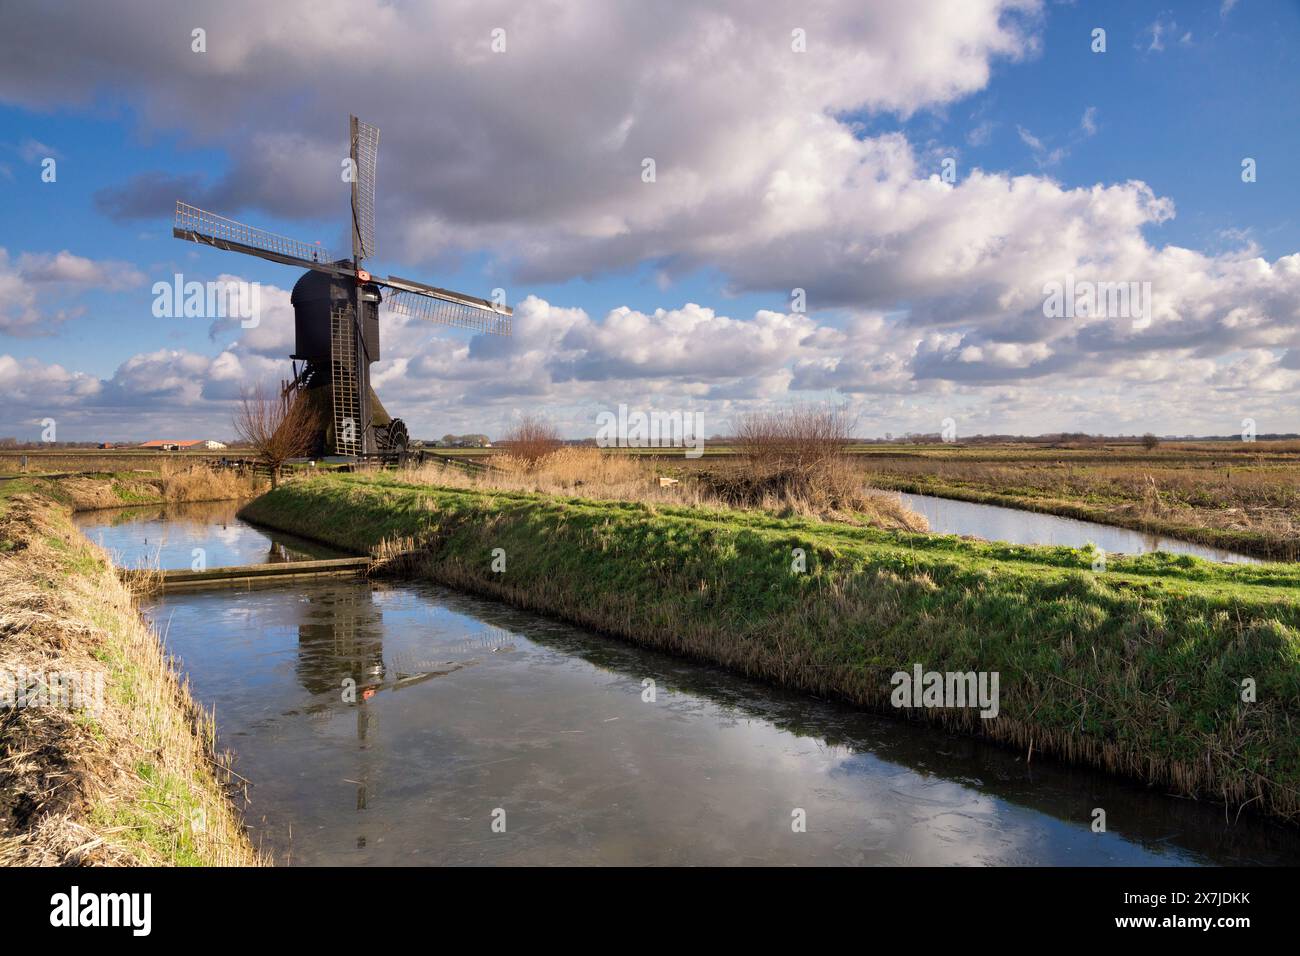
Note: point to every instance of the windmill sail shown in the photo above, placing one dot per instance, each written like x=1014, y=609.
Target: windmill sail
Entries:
x=336, y=310
x=199, y=225
x=443, y=312
x=446, y=307
x=365, y=157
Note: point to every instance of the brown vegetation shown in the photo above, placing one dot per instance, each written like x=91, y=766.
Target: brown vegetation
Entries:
x=176, y=481
x=136, y=781
x=532, y=439
x=615, y=476
x=797, y=460
x=278, y=427
x=800, y=439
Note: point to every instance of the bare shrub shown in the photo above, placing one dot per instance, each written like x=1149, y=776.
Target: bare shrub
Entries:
x=278, y=427
x=614, y=476
x=532, y=439
x=797, y=458
x=799, y=439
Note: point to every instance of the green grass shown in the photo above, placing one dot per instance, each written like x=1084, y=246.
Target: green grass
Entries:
x=171, y=808
x=161, y=821
x=1137, y=669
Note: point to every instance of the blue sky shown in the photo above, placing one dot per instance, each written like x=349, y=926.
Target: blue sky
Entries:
x=1182, y=94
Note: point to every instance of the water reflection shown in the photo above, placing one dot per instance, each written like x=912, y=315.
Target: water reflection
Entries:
x=499, y=709
x=177, y=535
x=1012, y=525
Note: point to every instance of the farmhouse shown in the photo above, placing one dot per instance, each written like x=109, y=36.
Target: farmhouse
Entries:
x=193, y=443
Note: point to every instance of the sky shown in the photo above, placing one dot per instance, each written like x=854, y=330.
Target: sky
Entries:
x=925, y=173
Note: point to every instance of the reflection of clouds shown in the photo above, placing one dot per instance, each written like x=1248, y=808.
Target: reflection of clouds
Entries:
x=167, y=537
x=859, y=809
x=996, y=523
x=587, y=772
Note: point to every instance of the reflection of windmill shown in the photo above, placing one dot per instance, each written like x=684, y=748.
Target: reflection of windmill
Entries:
x=336, y=310
x=341, y=638
x=341, y=635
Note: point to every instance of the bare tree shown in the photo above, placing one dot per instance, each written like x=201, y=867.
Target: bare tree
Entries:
x=798, y=439
x=532, y=438
x=278, y=427
x=796, y=454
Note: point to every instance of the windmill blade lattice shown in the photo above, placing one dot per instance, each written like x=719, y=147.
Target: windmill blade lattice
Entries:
x=336, y=310
x=365, y=154
x=199, y=225
x=443, y=312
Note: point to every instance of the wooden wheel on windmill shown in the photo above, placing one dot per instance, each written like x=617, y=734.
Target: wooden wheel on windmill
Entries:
x=336, y=311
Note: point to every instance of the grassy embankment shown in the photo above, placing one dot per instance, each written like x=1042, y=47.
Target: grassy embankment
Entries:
x=1136, y=670
x=614, y=476
x=139, y=781
x=171, y=482
x=1242, y=496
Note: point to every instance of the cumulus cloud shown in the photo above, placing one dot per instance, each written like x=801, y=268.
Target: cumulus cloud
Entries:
x=920, y=290
x=895, y=377
x=37, y=289
x=32, y=383
x=64, y=267
x=273, y=334
x=714, y=93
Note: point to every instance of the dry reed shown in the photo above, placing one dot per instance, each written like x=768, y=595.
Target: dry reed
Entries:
x=139, y=781
x=614, y=476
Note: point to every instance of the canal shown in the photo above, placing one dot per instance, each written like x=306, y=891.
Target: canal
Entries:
x=482, y=734
x=1015, y=526
x=174, y=537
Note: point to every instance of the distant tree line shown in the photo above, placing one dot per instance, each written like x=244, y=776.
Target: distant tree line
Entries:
x=473, y=440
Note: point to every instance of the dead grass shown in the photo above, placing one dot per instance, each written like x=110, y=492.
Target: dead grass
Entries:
x=796, y=461
x=175, y=481
x=188, y=481
x=611, y=476
x=583, y=472
x=181, y=481
x=832, y=488
x=140, y=781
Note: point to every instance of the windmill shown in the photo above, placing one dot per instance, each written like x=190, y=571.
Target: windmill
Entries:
x=336, y=311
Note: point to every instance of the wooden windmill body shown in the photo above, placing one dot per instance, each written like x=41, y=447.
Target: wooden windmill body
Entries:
x=336, y=306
